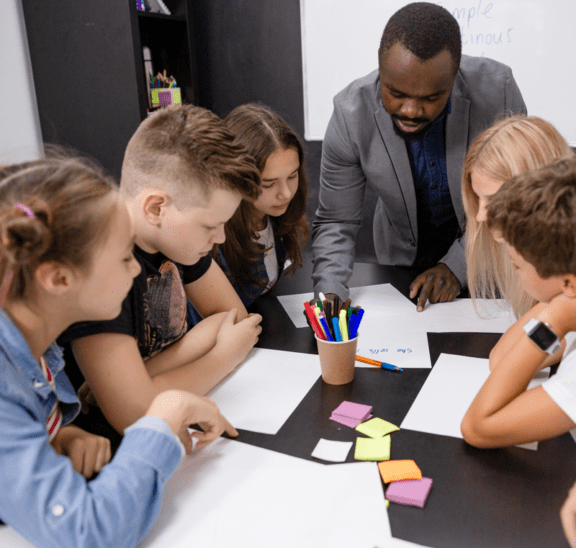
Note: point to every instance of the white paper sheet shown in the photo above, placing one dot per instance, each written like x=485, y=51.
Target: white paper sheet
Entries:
x=263, y=392
x=370, y=297
x=11, y=539
x=395, y=312
x=401, y=348
x=233, y=494
x=447, y=394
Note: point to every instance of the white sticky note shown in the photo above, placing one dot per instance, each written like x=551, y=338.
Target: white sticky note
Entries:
x=331, y=450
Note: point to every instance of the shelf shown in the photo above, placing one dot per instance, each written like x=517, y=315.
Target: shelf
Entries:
x=148, y=14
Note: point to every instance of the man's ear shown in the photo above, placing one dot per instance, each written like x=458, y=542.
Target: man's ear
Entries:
x=569, y=285
x=154, y=206
x=54, y=277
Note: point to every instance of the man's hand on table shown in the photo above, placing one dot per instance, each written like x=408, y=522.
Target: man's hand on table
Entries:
x=437, y=285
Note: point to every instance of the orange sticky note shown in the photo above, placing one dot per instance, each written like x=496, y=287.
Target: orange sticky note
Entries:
x=396, y=470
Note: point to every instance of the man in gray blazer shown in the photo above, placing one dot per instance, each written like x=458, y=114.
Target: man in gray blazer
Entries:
x=404, y=129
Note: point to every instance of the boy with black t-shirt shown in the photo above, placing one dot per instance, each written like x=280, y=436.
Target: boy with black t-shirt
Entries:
x=183, y=177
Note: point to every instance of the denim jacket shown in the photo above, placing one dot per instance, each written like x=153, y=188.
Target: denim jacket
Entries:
x=40, y=494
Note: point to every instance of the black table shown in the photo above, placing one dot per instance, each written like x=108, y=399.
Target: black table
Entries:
x=505, y=498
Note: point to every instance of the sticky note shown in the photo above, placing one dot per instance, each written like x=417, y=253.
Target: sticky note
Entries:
x=397, y=470
x=372, y=448
x=352, y=410
x=352, y=423
x=377, y=428
x=333, y=451
x=409, y=492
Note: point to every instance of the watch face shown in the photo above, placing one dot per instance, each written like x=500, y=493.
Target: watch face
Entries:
x=543, y=336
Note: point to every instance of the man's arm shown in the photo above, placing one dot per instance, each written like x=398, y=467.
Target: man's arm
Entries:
x=339, y=214
x=213, y=292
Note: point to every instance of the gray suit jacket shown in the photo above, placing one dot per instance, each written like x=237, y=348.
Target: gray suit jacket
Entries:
x=361, y=147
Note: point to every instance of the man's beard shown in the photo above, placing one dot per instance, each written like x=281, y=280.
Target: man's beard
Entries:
x=413, y=136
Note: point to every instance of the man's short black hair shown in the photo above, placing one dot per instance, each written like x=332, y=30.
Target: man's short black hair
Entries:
x=424, y=29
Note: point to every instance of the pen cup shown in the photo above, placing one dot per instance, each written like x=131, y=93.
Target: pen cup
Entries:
x=337, y=360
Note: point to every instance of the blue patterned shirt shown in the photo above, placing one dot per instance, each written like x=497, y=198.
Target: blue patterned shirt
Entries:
x=428, y=162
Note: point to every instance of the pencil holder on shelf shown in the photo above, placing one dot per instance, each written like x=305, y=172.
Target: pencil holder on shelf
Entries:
x=165, y=96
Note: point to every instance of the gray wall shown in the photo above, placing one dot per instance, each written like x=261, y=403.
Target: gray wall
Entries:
x=251, y=51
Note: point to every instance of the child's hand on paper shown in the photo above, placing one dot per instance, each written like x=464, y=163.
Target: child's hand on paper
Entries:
x=179, y=409
x=88, y=452
x=235, y=340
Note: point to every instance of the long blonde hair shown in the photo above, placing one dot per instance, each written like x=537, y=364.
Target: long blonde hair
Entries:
x=511, y=146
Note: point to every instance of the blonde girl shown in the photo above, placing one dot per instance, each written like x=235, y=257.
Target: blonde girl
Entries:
x=511, y=146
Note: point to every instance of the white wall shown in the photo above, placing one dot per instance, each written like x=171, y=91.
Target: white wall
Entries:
x=340, y=40
x=20, y=134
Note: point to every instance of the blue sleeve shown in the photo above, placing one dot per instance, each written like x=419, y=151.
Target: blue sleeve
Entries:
x=51, y=505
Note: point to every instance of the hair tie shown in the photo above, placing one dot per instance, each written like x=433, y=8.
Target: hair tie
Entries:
x=25, y=209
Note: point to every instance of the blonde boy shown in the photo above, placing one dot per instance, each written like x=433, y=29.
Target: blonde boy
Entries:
x=535, y=215
x=183, y=177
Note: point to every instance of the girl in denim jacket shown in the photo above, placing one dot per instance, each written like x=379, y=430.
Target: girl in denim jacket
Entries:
x=66, y=242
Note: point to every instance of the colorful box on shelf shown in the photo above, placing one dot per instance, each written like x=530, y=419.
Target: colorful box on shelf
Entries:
x=165, y=96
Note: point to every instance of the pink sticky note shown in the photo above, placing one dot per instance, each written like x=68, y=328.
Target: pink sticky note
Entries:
x=410, y=492
x=352, y=410
x=164, y=97
x=352, y=423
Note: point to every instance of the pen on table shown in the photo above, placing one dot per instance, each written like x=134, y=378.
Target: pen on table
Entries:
x=383, y=365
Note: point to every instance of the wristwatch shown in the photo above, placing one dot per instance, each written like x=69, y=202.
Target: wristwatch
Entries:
x=542, y=335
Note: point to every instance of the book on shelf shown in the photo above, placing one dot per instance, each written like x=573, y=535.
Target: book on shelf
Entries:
x=157, y=6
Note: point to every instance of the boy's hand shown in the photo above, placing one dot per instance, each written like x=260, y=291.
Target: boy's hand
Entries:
x=235, y=340
x=88, y=452
x=180, y=409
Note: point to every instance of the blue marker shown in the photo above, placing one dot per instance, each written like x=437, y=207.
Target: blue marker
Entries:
x=358, y=319
x=337, y=335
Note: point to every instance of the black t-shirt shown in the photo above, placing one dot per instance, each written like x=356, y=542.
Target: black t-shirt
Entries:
x=154, y=312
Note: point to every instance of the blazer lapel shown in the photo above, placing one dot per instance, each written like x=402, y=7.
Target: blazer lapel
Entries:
x=456, y=145
x=396, y=148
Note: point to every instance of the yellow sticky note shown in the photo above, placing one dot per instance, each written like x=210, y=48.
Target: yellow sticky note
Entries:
x=376, y=428
x=397, y=470
x=372, y=449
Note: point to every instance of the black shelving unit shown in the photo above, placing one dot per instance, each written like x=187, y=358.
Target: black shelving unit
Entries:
x=89, y=74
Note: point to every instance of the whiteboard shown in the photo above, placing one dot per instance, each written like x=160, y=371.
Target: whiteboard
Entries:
x=536, y=38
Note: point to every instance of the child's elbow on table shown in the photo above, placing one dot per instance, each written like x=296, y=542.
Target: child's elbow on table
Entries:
x=473, y=433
